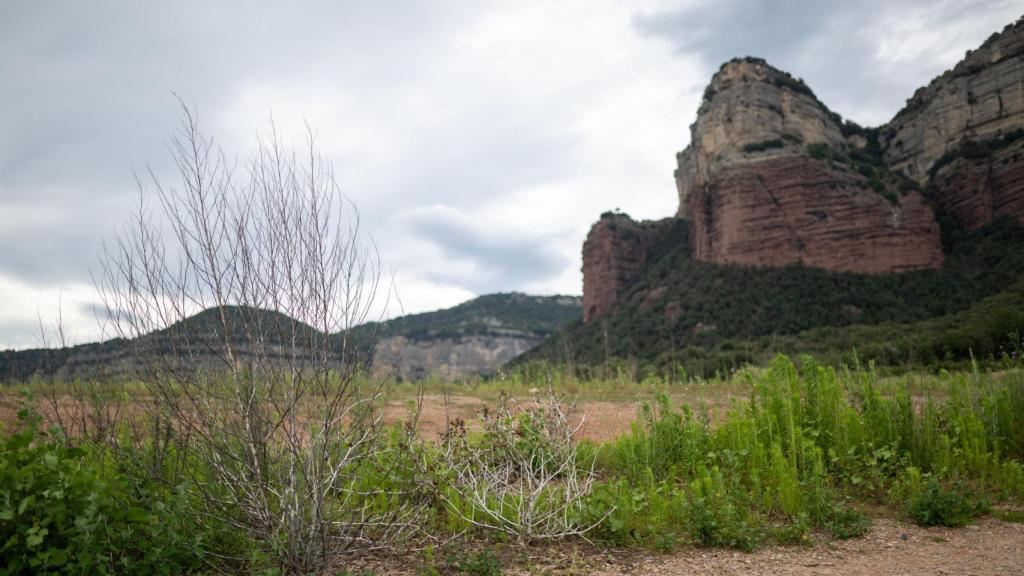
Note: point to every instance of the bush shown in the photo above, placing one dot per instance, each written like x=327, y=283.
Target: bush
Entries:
x=848, y=523
x=716, y=518
x=68, y=510
x=763, y=145
x=937, y=505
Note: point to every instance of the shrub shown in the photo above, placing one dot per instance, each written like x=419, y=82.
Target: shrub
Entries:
x=937, y=505
x=763, y=145
x=68, y=510
x=848, y=523
x=716, y=518
x=524, y=477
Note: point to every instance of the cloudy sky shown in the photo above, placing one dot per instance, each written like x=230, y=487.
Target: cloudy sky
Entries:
x=479, y=139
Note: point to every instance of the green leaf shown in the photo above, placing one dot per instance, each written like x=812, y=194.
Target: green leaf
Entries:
x=138, y=515
x=36, y=536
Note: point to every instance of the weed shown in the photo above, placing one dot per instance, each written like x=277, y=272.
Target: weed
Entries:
x=1015, y=516
x=937, y=505
x=848, y=523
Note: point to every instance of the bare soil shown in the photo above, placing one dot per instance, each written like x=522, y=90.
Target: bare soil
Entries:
x=988, y=548
x=601, y=420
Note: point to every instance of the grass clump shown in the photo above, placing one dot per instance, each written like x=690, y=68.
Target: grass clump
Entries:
x=931, y=503
x=847, y=523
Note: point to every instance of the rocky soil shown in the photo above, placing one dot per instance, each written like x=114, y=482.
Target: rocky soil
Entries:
x=990, y=547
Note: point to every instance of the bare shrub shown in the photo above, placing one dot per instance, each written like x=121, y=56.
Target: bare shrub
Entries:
x=525, y=476
x=259, y=400
x=83, y=410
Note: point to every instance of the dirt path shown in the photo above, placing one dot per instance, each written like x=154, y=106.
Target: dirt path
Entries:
x=990, y=547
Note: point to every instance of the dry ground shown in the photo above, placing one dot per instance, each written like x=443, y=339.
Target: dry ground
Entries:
x=602, y=420
x=892, y=548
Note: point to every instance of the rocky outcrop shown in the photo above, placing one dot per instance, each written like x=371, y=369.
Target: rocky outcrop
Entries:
x=471, y=339
x=982, y=97
x=962, y=135
x=791, y=210
x=449, y=358
x=614, y=255
x=978, y=188
x=751, y=112
x=770, y=179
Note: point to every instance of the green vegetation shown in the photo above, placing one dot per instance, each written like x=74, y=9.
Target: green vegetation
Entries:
x=806, y=446
x=512, y=313
x=976, y=150
x=501, y=313
x=66, y=509
x=702, y=317
x=763, y=145
x=800, y=449
x=867, y=162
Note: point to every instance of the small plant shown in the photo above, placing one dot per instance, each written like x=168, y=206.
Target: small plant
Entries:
x=937, y=505
x=797, y=532
x=716, y=519
x=763, y=145
x=1014, y=516
x=847, y=523
x=524, y=477
x=483, y=563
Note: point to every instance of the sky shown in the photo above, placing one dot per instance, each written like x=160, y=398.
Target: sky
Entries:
x=479, y=140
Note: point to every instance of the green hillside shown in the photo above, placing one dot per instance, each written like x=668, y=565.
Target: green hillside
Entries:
x=492, y=314
x=711, y=316
x=489, y=314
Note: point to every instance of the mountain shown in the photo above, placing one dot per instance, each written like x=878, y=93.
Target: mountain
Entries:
x=473, y=338
x=791, y=219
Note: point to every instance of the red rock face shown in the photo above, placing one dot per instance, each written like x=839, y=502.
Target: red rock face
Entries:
x=613, y=257
x=976, y=192
x=800, y=210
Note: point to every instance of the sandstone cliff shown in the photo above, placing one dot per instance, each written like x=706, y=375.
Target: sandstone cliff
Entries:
x=614, y=255
x=963, y=134
x=981, y=97
x=770, y=179
x=452, y=358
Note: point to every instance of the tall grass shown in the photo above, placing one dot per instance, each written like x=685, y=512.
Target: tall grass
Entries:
x=797, y=448
x=806, y=442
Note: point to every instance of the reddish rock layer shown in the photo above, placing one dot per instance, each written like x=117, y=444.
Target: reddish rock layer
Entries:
x=613, y=257
x=977, y=191
x=800, y=210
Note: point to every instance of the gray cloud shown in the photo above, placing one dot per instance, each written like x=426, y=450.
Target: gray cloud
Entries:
x=498, y=261
x=835, y=45
x=525, y=119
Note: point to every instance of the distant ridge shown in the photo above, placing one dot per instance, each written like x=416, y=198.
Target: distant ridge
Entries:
x=472, y=338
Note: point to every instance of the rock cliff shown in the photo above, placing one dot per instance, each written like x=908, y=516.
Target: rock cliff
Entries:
x=614, y=255
x=452, y=358
x=471, y=339
x=963, y=134
x=982, y=97
x=771, y=177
